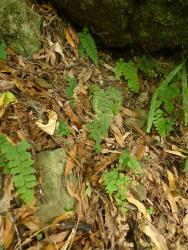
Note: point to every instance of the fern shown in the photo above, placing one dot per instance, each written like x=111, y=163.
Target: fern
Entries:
x=129, y=72
x=106, y=104
x=17, y=161
x=88, y=45
x=63, y=128
x=163, y=98
x=3, y=54
x=185, y=93
x=117, y=183
x=127, y=160
x=72, y=83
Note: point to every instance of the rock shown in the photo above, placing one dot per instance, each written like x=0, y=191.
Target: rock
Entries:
x=20, y=27
x=150, y=24
x=55, y=199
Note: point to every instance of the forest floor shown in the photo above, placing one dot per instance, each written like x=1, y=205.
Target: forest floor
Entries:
x=153, y=214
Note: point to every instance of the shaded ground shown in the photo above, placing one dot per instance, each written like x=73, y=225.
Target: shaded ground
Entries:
x=157, y=201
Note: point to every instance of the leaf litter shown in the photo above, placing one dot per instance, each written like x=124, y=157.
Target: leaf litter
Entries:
x=157, y=207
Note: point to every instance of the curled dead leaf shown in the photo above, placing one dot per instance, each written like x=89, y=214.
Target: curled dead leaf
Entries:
x=50, y=127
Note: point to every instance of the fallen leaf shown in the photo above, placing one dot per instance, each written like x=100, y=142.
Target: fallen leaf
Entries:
x=50, y=127
x=106, y=161
x=69, y=38
x=9, y=232
x=70, y=160
x=185, y=225
x=156, y=238
x=7, y=197
x=141, y=208
x=72, y=116
x=172, y=201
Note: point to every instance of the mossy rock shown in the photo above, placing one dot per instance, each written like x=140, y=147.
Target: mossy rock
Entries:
x=55, y=199
x=20, y=26
x=150, y=24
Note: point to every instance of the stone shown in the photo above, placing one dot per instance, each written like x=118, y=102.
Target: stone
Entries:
x=151, y=25
x=20, y=26
x=55, y=199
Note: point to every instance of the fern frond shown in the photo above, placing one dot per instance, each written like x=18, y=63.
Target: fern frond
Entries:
x=106, y=104
x=72, y=83
x=106, y=101
x=155, y=101
x=163, y=125
x=17, y=161
x=185, y=93
x=129, y=72
x=88, y=45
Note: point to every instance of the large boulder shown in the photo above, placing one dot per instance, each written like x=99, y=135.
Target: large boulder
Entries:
x=150, y=24
x=20, y=26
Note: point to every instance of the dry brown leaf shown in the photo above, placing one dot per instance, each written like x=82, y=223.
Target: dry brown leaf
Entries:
x=85, y=75
x=171, y=181
x=157, y=239
x=9, y=232
x=140, y=206
x=59, y=237
x=72, y=192
x=74, y=35
x=139, y=149
x=72, y=116
x=7, y=197
x=172, y=201
x=185, y=225
x=118, y=135
x=69, y=38
x=1, y=229
x=106, y=161
x=70, y=160
x=32, y=223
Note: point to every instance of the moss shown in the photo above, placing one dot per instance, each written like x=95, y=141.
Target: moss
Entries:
x=20, y=27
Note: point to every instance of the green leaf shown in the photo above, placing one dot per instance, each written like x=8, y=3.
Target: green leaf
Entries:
x=9, y=97
x=63, y=128
x=88, y=45
x=3, y=53
x=19, y=180
x=129, y=72
x=154, y=102
x=72, y=83
x=185, y=93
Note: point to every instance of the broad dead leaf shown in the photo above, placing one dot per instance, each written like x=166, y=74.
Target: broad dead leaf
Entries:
x=69, y=38
x=157, y=239
x=50, y=127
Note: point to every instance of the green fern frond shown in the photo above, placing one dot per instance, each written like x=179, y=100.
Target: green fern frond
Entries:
x=185, y=93
x=72, y=83
x=129, y=72
x=106, y=101
x=163, y=125
x=88, y=45
x=106, y=104
x=161, y=92
x=127, y=160
x=17, y=161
